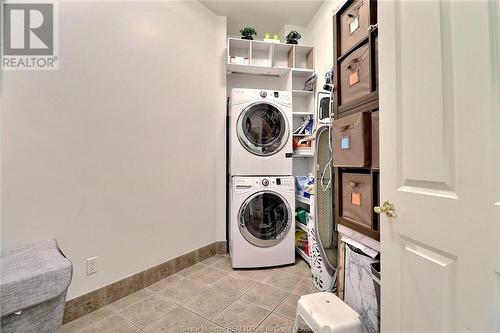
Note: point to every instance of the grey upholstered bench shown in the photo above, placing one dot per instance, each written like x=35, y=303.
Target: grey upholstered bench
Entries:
x=34, y=281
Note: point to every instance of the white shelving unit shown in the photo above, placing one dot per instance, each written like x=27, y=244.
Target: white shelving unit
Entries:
x=302, y=199
x=300, y=225
x=302, y=92
x=302, y=254
x=281, y=67
x=304, y=154
x=269, y=58
x=282, y=55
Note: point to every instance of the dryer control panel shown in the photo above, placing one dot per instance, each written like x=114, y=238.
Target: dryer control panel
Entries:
x=246, y=183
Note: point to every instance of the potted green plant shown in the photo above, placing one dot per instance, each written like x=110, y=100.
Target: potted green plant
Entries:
x=247, y=33
x=293, y=37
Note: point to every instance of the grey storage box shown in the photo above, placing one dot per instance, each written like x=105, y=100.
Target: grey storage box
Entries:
x=34, y=282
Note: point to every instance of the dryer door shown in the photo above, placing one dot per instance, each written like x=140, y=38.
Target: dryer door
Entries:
x=262, y=129
x=265, y=218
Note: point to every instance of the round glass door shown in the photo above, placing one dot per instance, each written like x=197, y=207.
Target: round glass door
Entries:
x=264, y=219
x=262, y=129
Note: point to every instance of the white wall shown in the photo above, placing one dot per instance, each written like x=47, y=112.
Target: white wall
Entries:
x=305, y=39
x=220, y=120
x=115, y=155
x=320, y=35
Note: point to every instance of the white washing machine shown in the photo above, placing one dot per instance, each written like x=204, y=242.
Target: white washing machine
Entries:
x=260, y=134
x=262, y=221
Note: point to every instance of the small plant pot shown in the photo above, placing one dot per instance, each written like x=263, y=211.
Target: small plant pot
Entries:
x=292, y=41
x=247, y=37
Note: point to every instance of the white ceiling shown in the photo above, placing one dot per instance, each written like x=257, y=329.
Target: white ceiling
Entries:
x=263, y=15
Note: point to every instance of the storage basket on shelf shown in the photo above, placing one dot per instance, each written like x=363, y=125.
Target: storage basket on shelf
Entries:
x=352, y=141
x=357, y=199
x=354, y=23
x=355, y=81
x=375, y=140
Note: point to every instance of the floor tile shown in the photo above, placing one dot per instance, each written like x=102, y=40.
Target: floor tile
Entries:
x=224, y=264
x=241, y=316
x=214, y=259
x=148, y=310
x=275, y=323
x=192, y=269
x=210, y=303
x=184, y=290
x=265, y=296
x=113, y=324
x=233, y=286
x=176, y=321
x=252, y=274
x=288, y=307
x=211, y=327
x=282, y=280
x=85, y=321
x=304, y=287
x=157, y=286
x=131, y=299
x=208, y=275
x=300, y=269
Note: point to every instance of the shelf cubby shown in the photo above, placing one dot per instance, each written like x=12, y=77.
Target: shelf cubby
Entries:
x=302, y=92
x=238, y=48
x=261, y=54
x=304, y=57
x=303, y=104
x=282, y=55
x=270, y=58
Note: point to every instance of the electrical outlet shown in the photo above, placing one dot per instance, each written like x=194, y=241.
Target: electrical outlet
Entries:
x=91, y=265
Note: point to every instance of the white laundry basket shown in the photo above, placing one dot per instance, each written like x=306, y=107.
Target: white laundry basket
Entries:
x=323, y=278
x=359, y=290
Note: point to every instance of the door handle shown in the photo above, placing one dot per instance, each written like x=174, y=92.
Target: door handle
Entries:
x=388, y=208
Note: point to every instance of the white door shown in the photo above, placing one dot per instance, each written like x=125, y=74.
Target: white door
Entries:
x=440, y=165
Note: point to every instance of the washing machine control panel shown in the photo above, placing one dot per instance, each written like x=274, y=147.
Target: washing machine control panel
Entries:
x=279, y=182
x=240, y=96
x=284, y=181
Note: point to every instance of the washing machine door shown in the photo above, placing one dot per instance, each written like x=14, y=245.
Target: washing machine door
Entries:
x=262, y=129
x=265, y=218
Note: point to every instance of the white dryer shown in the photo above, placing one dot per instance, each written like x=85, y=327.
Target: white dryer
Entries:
x=262, y=221
x=260, y=135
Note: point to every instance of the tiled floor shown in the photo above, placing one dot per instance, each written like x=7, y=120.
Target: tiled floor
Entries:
x=207, y=297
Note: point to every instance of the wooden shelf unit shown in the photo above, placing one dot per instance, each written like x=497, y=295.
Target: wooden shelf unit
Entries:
x=371, y=40
x=370, y=102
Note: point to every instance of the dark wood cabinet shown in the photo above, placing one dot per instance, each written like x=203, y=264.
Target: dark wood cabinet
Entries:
x=351, y=46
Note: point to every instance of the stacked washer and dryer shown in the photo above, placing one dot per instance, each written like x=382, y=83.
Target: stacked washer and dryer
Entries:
x=262, y=189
